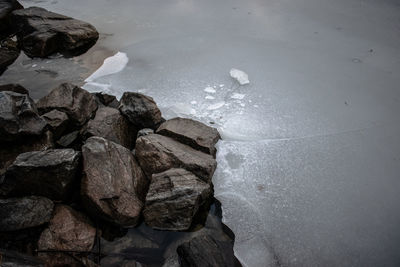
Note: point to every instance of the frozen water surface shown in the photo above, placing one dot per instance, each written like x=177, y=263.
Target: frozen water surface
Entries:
x=309, y=168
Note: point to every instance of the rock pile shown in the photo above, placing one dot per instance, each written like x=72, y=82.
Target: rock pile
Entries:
x=107, y=164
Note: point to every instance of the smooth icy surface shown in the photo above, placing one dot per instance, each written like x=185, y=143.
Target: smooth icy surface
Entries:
x=309, y=168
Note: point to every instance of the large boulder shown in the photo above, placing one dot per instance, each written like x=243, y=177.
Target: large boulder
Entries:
x=173, y=199
x=42, y=33
x=6, y=7
x=114, y=186
x=50, y=173
x=157, y=153
x=192, y=133
x=18, y=117
x=110, y=124
x=141, y=110
x=58, y=122
x=68, y=230
x=27, y=212
x=77, y=103
x=106, y=100
x=9, y=52
x=16, y=88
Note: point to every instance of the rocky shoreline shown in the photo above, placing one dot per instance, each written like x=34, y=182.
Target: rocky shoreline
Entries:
x=87, y=180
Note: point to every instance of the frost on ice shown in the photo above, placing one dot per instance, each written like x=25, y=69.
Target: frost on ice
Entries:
x=238, y=96
x=209, y=90
x=240, y=76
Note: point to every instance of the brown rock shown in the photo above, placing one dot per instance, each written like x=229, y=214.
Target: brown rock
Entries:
x=16, y=88
x=114, y=186
x=173, y=199
x=9, y=52
x=58, y=122
x=77, y=103
x=106, y=100
x=140, y=110
x=157, y=153
x=192, y=133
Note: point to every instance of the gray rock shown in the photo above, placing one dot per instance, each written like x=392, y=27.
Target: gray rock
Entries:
x=50, y=173
x=18, y=117
x=15, y=259
x=6, y=7
x=110, y=124
x=16, y=88
x=141, y=110
x=58, y=122
x=21, y=213
x=157, y=153
x=70, y=140
x=77, y=103
x=144, y=132
x=42, y=33
x=192, y=133
x=106, y=100
x=173, y=199
x=114, y=186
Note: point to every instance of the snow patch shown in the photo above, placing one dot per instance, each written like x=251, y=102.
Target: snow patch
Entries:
x=110, y=65
x=240, y=76
x=210, y=90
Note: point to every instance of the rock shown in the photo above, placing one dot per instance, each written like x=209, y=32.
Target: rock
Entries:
x=106, y=100
x=68, y=230
x=114, y=186
x=16, y=88
x=111, y=125
x=42, y=33
x=58, y=122
x=77, y=103
x=144, y=132
x=9, y=52
x=6, y=7
x=173, y=199
x=18, y=117
x=120, y=261
x=205, y=251
x=50, y=173
x=192, y=133
x=141, y=110
x=70, y=140
x=157, y=153
x=21, y=213
x=15, y=259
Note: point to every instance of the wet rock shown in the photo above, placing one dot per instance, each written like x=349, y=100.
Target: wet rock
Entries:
x=15, y=259
x=18, y=117
x=16, y=88
x=144, y=132
x=42, y=33
x=50, y=173
x=9, y=52
x=68, y=231
x=141, y=110
x=77, y=103
x=114, y=186
x=21, y=213
x=205, y=251
x=106, y=100
x=192, y=133
x=173, y=199
x=157, y=153
x=6, y=7
x=58, y=122
x=111, y=125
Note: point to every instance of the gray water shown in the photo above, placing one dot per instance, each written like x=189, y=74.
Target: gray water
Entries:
x=309, y=165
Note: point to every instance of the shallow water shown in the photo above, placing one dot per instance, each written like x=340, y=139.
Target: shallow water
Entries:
x=308, y=171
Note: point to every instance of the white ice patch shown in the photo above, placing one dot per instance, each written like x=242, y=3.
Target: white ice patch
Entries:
x=209, y=97
x=216, y=105
x=110, y=65
x=178, y=110
x=210, y=90
x=193, y=102
x=240, y=76
x=238, y=96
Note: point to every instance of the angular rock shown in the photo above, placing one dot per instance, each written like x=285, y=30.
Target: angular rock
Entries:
x=70, y=140
x=205, y=251
x=18, y=117
x=77, y=103
x=106, y=100
x=58, y=122
x=15, y=259
x=68, y=230
x=192, y=133
x=42, y=33
x=157, y=153
x=16, y=88
x=50, y=173
x=111, y=125
x=114, y=186
x=141, y=110
x=173, y=199
x=6, y=7
x=21, y=213
x=9, y=52
x=144, y=132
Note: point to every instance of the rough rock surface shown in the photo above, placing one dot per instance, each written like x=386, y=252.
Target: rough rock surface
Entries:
x=141, y=110
x=42, y=33
x=70, y=140
x=110, y=124
x=16, y=88
x=77, y=103
x=205, y=251
x=58, y=122
x=173, y=199
x=9, y=52
x=106, y=100
x=68, y=230
x=21, y=213
x=192, y=133
x=114, y=186
x=50, y=173
x=157, y=153
x=18, y=117
x=144, y=132
x=6, y=7
x=15, y=259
